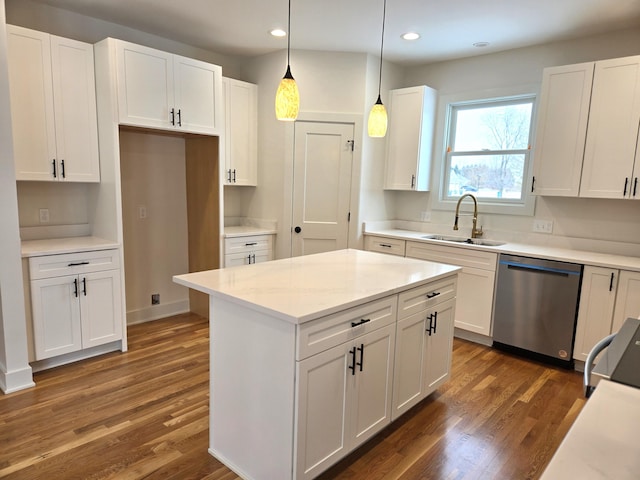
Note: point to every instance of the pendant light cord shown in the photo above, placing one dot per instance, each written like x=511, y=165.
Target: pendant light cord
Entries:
x=384, y=13
x=289, y=33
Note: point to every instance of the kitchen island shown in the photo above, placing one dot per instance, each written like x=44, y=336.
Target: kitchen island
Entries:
x=311, y=356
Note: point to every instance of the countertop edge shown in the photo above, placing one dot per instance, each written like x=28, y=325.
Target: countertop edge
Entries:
x=584, y=257
x=60, y=246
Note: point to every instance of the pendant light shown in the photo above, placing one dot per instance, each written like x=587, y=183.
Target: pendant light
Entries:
x=287, y=96
x=377, y=125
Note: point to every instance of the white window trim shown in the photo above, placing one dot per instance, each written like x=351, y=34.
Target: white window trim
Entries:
x=442, y=129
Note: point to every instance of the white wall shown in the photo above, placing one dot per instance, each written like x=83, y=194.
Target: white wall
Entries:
x=335, y=83
x=602, y=220
x=15, y=372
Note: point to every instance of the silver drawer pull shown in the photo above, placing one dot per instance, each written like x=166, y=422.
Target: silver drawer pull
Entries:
x=77, y=264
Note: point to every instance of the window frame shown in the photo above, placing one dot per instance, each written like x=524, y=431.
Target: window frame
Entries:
x=441, y=200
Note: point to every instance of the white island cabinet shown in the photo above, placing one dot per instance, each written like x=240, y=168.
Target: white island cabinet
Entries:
x=304, y=354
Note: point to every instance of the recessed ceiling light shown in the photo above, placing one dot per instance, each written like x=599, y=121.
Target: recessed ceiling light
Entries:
x=481, y=44
x=411, y=36
x=278, y=32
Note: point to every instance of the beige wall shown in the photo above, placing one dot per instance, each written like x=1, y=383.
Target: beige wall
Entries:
x=156, y=247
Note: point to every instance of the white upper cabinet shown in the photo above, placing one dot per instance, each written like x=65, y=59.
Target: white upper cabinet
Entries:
x=612, y=134
x=410, y=141
x=562, y=129
x=160, y=90
x=241, y=130
x=53, y=107
x=587, y=135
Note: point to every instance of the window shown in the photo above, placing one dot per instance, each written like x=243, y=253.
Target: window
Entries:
x=487, y=151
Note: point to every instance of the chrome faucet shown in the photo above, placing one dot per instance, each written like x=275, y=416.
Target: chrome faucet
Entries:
x=475, y=232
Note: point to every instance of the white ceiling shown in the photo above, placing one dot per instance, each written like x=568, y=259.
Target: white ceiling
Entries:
x=448, y=27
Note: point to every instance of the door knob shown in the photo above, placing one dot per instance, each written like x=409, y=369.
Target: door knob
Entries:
x=297, y=229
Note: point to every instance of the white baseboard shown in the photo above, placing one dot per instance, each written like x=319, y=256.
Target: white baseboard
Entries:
x=17, y=380
x=472, y=337
x=156, y=312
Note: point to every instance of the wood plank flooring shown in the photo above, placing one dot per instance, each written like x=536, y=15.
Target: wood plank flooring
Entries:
x=144, y=415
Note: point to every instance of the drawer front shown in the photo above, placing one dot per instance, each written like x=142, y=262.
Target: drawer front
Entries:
x=461, y=257
x=48, y=266
x=246, y=258
x=248, y=244
x=327, y=332
x=422, y=298
x=384, y=245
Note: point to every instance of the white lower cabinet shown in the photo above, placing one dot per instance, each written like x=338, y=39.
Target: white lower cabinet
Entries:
x=424, y=344
x=344, y=398
x=247, y=250
x=389, y=245
x=476, y=281
x=76, y=302
x=608, y=297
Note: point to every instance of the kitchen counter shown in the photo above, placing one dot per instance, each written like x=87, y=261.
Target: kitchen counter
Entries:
x=247, y=230
x=537, y=251
x=603, y=441
x=304, y=288
x=56, y=246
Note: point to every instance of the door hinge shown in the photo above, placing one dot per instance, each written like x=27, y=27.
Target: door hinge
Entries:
x=349, y=217
x=352, y=143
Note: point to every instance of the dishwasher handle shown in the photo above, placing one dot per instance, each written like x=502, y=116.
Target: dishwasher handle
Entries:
x=535, y=268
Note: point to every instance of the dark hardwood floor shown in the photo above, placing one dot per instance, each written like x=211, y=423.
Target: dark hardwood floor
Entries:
x=144, y=414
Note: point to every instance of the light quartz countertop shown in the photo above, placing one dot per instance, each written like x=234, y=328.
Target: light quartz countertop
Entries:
x=536, y=251
x=603, y=441
x=55, y=246
x=301, y=289
x=247, y=230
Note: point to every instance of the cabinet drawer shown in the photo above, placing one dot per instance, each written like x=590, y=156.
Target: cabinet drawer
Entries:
x=384, y=245
x=251, y=243
x=324, y=333
x=421, y=298
x=462, y=257
x=48, y=266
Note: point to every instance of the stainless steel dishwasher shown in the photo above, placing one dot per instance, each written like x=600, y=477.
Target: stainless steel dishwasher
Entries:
x=536, y=307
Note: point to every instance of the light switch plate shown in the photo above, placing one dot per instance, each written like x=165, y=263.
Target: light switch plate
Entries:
x=44, y=215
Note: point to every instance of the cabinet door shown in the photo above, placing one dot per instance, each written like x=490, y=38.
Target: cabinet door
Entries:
x=411, y=126
x=56, y=316
x=562, y=129
x=74, y=97
x=32, y=117
x=627, y=299
x=321, y=422
x=100, y=307
x=613, y=129
x=409, y=363
x=145, y=86
x=241, y=126
x=474, y=306
x=439, y=346
x=371, y=402
x=597, y=297
x=198, y=96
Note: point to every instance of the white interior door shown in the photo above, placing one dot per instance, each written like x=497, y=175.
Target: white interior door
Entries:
x=323, y=155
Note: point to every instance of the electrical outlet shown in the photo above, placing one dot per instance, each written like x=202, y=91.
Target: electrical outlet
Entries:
x=425, y=216
x=142, y=211
x=543, y=226
x=155, y=299
x=44, y=215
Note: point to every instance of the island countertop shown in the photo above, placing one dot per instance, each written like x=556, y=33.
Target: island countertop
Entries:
x=300, y=289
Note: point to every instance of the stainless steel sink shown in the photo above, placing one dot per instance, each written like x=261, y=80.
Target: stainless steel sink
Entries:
x=470, y=241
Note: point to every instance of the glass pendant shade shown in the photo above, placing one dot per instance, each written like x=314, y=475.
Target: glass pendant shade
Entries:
x=287, y=98
x=377, y=125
